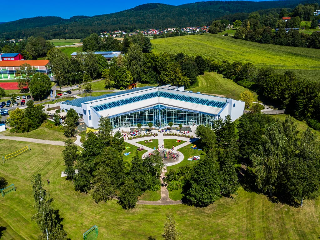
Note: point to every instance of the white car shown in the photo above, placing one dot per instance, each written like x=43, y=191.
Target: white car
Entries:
x=18, y=98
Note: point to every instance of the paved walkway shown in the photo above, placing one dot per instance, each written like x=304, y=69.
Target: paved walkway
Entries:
x=33, y=140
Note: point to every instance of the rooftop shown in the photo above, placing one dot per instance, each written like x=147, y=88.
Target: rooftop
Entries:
x=33, y=63
x=10, y=55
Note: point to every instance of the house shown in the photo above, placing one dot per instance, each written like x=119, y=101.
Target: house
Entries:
x=286, y=19
x=10, y=57
x=8, y=69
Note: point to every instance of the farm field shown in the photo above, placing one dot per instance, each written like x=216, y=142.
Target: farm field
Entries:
x=227, y=48
x=214, y=83
x=63, y=42
x=246, y=216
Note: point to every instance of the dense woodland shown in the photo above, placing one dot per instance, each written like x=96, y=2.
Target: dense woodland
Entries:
x=259, y=28
x=261, y=153
x=154, y=15
x=104, y=174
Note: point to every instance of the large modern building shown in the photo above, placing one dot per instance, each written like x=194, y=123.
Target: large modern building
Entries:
x=158, y=105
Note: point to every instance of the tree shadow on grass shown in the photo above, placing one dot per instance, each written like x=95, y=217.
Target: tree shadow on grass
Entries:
x=2, y=229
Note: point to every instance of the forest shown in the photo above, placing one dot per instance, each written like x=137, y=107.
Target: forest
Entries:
x=153, y=15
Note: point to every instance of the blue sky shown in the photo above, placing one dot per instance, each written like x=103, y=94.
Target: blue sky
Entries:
x=25, y=9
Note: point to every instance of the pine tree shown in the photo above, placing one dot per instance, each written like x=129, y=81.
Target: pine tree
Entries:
x=170, y=231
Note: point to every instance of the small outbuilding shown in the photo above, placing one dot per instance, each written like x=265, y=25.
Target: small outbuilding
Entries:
x=11, y=57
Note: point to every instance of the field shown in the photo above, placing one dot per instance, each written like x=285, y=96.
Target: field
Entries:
x=246, y=216
x=226, y=48
x=63, y=42
x=213, y=83
x=70, y=50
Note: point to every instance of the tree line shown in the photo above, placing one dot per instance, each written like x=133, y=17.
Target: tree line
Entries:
x=31, y=48
x=154, y=15
x=103, y=172
x=260, y=153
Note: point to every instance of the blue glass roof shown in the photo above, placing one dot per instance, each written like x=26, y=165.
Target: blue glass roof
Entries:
x=9, y=55
x=77, y=102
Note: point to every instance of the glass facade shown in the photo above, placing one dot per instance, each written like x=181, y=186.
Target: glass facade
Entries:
x=160, y=116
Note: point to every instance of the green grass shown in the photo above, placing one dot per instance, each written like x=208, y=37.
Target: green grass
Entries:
x=70, y=50
x=152, y=145
x=168, y=143
x=98, y=85
x=47, y=131
x=132, y=149
x=60, y=100
x=151, y=195
x=227, y=48
x=247, y=216
x=188, y=152
x=63, y=42
x=175, y=194
x=213, y=83
x=94, y=94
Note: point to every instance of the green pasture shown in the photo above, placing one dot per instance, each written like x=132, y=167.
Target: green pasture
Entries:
x=63, y=42
x=168, y=143
x=245, y=216
x=70, y=50
x=152, y=145
x=213, y=83
x=219, y=47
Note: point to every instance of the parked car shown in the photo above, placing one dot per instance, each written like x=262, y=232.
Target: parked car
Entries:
x=18, y=97
x=4, y=112
x=23, y=102
x=24, y=97
x=69, y=91
x=8, y=104
x=59, y=94
x=3, y=103
x=28, y=97
x=65, y=93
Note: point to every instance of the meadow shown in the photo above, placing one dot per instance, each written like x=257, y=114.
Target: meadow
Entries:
x=245, y=216
x=64, y=42
x=304, y=61
x=70, y=50
x=214, y=83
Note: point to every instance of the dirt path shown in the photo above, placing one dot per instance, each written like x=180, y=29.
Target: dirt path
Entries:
x=33, y=140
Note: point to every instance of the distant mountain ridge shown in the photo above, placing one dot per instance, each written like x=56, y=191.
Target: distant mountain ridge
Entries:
x=152, y=15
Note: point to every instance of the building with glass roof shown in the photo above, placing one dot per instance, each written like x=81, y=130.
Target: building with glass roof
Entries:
x=158, y=105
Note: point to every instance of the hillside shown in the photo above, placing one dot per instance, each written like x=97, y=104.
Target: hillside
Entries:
x=303, y=61
x=145, y=16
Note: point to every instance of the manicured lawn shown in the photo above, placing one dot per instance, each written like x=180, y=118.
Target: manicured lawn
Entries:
x=132, y=149
x=46, y=131
x=227, y=48
x=168, y=143
x=247, y=216
x=63, y=42
x=98, y=85
x=94, y=94
x=213, y=83
x=151, y=195
x=152, y=145
x=60, y=100
x=188, y=152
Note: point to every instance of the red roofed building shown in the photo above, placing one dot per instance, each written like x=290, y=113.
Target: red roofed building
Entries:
x=286, y=18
